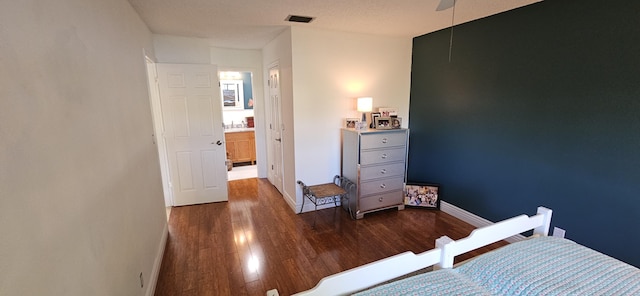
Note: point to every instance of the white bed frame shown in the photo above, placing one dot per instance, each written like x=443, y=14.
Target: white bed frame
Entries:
x=442, y=256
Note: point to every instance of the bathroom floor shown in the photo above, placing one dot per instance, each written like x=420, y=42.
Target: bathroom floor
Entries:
x=243, y=172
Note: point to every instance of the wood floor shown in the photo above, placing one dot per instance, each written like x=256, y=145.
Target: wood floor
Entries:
x=255, y=242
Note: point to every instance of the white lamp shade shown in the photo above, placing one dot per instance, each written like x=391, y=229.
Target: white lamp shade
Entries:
x=365, y=104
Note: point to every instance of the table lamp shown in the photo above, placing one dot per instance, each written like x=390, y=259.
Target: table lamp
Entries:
x=365, y=104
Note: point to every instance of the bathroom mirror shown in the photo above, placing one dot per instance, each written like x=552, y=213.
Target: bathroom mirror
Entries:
x=236, y=90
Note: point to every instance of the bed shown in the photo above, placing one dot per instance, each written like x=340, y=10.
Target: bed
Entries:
x=539, y=265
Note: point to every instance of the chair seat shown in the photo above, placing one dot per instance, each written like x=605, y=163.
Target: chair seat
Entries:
x=326, y=190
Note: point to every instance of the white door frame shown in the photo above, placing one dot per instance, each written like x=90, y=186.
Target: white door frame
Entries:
x=158, y=128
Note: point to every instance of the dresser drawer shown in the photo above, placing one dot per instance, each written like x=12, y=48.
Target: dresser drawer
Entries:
x=382, y=171
x=380, y=201
x=382, y=140
x=382, y=185
x=381, y=156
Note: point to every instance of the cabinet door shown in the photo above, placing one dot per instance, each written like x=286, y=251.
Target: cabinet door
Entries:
x=243, y=148
x=231, y=149
x=252, y=149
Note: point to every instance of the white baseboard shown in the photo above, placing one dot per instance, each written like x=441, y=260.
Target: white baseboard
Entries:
x=290, y=201
x=155, y=272
x=473, y=219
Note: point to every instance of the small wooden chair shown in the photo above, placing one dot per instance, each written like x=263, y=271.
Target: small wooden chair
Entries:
x=339, y=189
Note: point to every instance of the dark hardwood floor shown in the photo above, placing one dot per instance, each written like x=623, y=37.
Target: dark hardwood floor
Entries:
x=254, y=242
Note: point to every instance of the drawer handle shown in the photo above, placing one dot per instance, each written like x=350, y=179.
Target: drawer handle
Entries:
x=383, y=185
x=384, y=155
x=383, y=171
x=384, y=140
x=380, y=199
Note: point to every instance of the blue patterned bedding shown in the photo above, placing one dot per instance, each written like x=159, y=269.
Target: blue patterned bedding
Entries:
x=440, y=282
x=540, y=266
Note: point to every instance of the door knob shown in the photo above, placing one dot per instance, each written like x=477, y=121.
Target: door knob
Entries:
x=279, y=140
x=217, y=143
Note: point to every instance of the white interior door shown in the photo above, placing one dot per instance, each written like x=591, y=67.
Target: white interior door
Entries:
x=158, y=125
x=192, y=114
x=275, y=127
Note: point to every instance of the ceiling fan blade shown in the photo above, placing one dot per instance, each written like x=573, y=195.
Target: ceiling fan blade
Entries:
x=445, y=4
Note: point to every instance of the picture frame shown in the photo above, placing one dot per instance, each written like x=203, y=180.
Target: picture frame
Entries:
x=396, y=122
x=382, y=123
x=388, y=112
x=374, y=115
x=422, y=195
x=361, y=125
x=351, y=122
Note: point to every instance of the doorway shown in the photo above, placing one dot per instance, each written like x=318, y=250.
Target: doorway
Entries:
x=236, y=89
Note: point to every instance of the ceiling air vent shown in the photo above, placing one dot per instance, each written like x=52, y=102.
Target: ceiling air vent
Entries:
x=299, y=19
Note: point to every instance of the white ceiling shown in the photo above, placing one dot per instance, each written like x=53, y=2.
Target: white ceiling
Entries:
x=251, y=24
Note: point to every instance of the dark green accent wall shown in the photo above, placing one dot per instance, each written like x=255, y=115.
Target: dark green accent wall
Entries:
x=538, y=106
x=247, y=89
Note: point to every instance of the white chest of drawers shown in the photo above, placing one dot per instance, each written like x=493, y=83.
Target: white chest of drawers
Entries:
x=376, y=161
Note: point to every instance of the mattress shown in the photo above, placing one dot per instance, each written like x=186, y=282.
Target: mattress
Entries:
x=539, y=266
x=440, y=282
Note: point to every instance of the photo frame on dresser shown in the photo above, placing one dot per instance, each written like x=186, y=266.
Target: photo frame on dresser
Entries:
x=396, y=122
x=351, y=122
x=388, y=112
x=422, y=195
x=374, y=115
x=382, y=123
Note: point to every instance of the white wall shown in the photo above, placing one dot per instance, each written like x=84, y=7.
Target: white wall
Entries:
x=181, y=50
x=81, y=206
x=330, y=70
